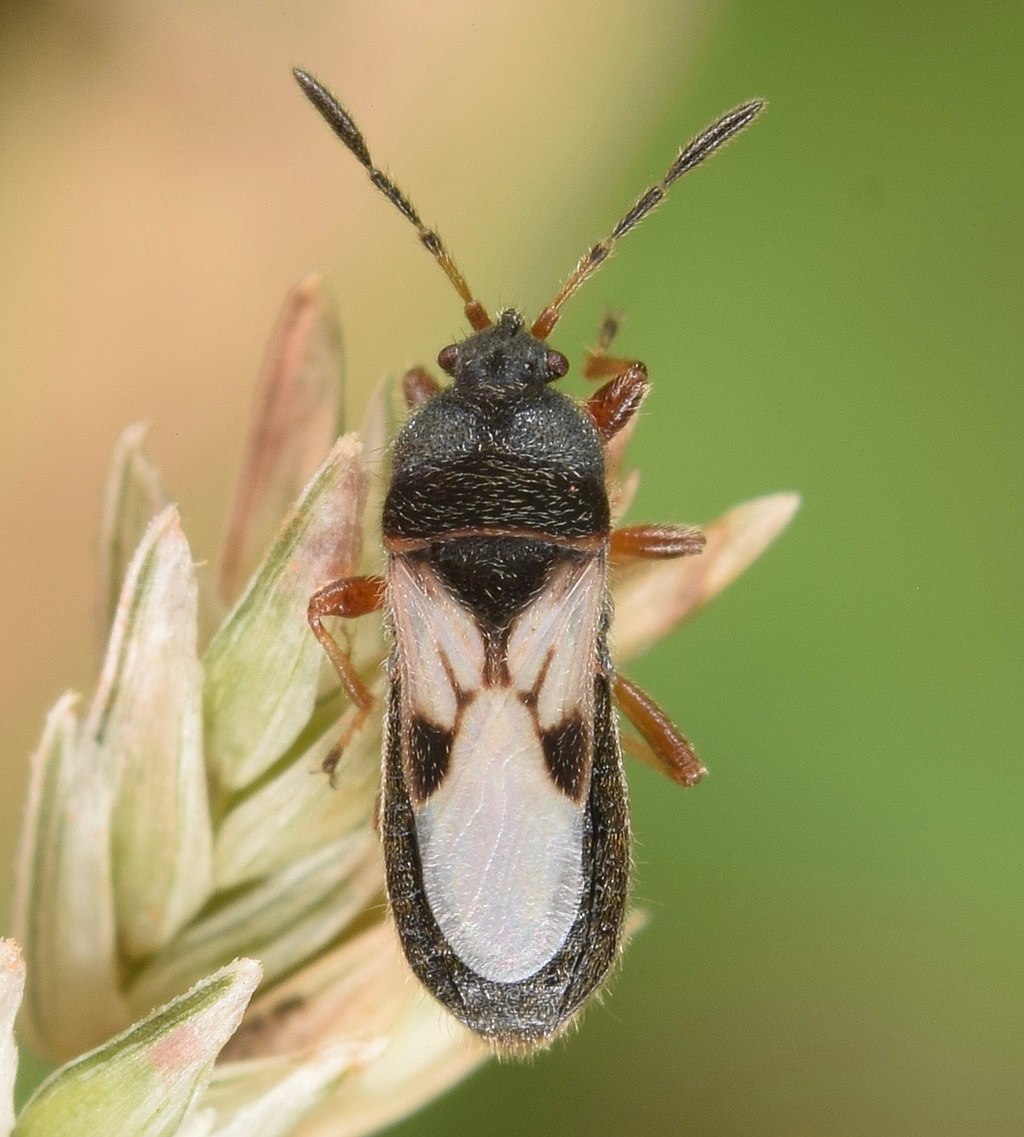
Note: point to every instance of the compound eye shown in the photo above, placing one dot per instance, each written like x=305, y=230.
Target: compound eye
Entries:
x=557, y=364
x=447, y=357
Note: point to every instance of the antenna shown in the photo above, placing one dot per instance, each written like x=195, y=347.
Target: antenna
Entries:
x=703, y=146
x=339, y=120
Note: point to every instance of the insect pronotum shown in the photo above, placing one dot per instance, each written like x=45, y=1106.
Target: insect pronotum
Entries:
x=503, y=809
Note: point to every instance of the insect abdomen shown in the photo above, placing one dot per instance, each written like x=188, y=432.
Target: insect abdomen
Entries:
x=504, y=822
x=521, y=1014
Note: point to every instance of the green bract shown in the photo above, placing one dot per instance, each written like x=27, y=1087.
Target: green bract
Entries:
x=147, y=1081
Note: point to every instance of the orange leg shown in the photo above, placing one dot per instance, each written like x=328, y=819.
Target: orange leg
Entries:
x=598, y=363
x=653, y=542
x=418, y=387
x=670, y=752
x=614, y=404
x=348, y=598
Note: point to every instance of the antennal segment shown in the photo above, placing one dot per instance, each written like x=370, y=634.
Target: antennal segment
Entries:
x=339, y=120
x=703, y=146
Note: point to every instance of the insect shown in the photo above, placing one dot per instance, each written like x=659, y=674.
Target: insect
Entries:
x=503, y=810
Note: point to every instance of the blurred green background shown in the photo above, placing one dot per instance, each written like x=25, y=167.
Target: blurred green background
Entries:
x=832, y=306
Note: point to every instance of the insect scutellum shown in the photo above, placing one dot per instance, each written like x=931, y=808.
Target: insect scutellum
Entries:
x=504, y=814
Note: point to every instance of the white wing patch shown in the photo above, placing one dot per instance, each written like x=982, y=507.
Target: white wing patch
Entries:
x=439, y=640
x=500, y=843
x=554, y=642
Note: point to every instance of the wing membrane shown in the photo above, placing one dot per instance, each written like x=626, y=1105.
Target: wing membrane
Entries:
x=500, y=839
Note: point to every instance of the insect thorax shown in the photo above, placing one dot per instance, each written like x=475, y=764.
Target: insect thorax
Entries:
x=498, y=449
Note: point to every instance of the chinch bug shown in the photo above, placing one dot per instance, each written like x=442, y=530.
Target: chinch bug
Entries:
x=503, y=811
